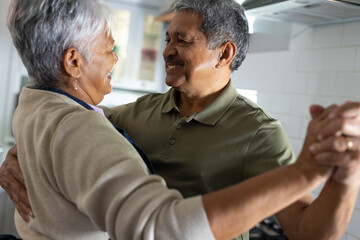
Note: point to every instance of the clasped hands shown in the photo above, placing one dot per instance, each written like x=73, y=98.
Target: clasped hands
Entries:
x=338, y=143
x=332, y=142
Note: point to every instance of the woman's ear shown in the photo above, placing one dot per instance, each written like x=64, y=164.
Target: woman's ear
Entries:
x=71, y=62
x=226, y=55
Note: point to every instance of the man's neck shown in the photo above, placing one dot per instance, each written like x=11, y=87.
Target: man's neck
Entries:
x=189, y=105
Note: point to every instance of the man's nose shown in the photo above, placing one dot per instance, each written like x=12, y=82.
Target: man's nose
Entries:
x=169, y=50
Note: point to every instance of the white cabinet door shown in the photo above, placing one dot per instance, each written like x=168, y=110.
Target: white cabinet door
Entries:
x=138, y=43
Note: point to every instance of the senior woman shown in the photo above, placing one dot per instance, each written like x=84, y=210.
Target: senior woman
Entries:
x=85, y=180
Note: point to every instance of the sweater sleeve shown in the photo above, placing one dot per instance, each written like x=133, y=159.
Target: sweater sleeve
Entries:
x=98, y=170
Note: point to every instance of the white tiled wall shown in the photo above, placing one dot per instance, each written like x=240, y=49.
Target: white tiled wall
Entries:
x=321, y=66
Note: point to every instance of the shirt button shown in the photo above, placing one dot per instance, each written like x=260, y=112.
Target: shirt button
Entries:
x=172, y=141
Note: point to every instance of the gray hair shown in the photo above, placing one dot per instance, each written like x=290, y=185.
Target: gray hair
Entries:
x=43, y=29
x=223, y=21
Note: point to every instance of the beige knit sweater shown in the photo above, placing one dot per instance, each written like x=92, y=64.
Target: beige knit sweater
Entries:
x=85, y=181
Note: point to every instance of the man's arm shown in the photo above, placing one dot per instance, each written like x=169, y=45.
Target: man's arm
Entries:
x=328, y=216
x=12, y=181
x=268, y=193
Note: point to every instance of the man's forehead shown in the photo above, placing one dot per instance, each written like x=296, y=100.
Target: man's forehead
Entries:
x=181, y=26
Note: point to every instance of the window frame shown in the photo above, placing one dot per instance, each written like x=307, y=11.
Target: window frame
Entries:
x=130, y=80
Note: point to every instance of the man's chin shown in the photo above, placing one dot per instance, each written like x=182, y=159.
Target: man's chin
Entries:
x=173, y=82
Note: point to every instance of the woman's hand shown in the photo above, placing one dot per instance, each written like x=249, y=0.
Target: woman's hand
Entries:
x=306, y=161
x=339, y=144
x=12, y=181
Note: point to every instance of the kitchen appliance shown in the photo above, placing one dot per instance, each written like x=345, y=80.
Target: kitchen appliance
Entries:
x=310, y=12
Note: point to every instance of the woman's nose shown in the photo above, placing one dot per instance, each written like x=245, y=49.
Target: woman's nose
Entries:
x=116, y=57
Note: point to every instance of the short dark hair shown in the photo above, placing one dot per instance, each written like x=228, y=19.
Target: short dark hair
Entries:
x=223, y=21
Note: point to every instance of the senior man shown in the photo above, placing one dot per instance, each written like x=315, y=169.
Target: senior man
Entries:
x=202, y=136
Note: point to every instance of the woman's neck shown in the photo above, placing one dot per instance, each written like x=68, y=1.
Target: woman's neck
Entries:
x=81, y=94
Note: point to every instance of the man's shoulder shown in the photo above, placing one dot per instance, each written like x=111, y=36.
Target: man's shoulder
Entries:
x=247, y=108
x=149, y=101
x=153, y=97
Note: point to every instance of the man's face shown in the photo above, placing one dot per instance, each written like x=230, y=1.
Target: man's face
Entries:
x=189, y=64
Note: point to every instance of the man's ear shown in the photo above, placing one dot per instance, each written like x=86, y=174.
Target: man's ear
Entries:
x=71, y=62
x=227, y=54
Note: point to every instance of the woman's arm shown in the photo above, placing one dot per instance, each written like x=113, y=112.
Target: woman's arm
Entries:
x=119, y=189
x=230, y=211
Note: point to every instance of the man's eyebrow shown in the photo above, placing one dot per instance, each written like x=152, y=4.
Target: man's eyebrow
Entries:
x=180, y=34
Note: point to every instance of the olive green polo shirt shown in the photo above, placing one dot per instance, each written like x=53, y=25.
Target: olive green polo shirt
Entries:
x=231, y=140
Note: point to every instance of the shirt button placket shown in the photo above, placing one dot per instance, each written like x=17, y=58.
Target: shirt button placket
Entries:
x=177, y=126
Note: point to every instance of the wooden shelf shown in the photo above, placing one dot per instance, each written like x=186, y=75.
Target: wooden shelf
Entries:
x=165, y=17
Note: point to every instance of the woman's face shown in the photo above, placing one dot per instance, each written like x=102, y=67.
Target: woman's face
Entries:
x=95, y=75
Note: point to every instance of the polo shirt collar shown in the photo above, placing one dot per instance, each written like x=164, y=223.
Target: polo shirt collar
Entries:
x=213, y=112
x=170, y=103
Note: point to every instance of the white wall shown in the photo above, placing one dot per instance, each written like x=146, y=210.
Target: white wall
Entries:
x=9, y=84
x=5, y=47
x=322, y=65
x=11, y=70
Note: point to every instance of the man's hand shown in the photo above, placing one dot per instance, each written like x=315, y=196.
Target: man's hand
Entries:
x=340, y=144
x=12, y=180
x=306, y=161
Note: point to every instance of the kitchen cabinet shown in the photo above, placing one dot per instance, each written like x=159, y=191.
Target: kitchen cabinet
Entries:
x=138, y=44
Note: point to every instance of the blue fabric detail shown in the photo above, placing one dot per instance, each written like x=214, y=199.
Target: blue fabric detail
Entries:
x=8, y=237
